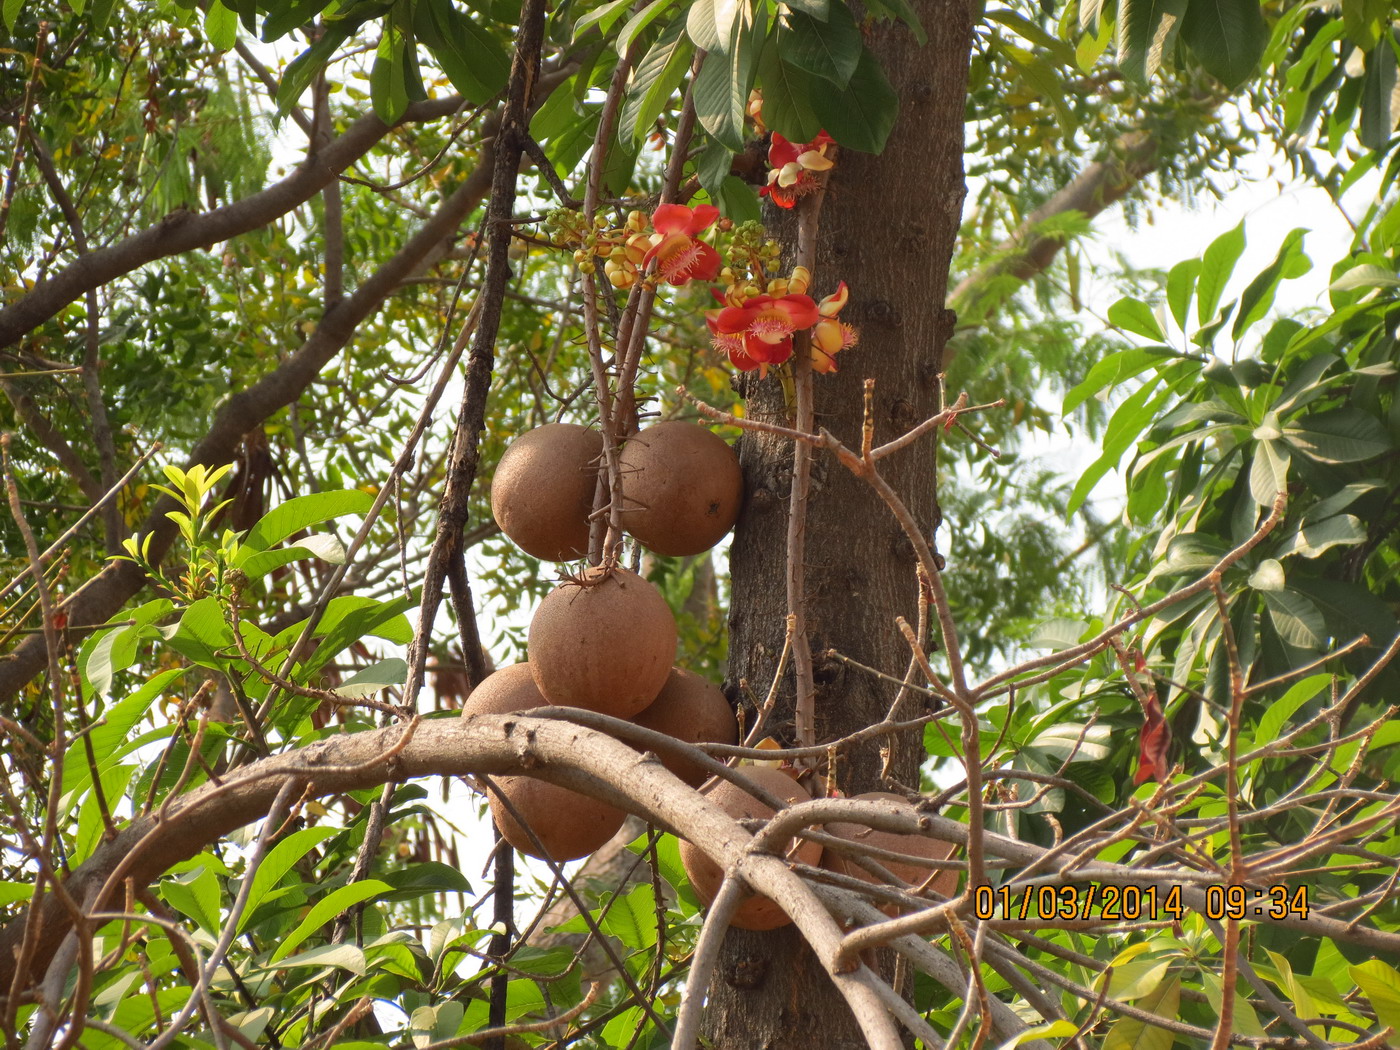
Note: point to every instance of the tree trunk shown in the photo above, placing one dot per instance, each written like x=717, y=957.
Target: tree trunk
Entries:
x=888, y=227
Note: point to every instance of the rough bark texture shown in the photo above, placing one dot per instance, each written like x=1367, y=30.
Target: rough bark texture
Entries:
x=888, y=227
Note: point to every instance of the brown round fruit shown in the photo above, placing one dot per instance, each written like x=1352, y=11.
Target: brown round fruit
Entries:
x=690, y=708
x=542, y=493
x=945, y=881
x=606, y=644
x=681, y=486
x=757, y=912
x=568, y=825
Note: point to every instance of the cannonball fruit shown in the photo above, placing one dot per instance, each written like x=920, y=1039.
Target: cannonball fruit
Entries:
x=681, y=488
x=758, y=912
x=690, y=708
x=542, y=493
x=568, y=825
x=606, y=644
x=944, y=882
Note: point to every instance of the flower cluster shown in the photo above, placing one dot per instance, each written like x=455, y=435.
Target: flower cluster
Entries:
x=759, y=315
x=793, y=168
x=755, y=331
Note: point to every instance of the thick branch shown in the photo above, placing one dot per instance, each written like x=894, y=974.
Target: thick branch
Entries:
x=183, y=231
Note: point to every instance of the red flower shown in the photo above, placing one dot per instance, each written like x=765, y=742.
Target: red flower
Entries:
x=791, y=166
x=680, y=258
x=766, y=324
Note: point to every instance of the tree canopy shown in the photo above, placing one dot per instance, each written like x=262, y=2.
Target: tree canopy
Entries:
x=251, y=253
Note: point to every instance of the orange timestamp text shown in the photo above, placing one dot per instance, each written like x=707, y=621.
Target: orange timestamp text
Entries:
x=1132, y=903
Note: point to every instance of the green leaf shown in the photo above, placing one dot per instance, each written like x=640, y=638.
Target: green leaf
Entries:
x=1181, y=284
x=203, y=635
x=1217, y=264
x=117, y=721
x=1133, y=416
x=654, y=81
x=786, y=93
x=1228, y=37
x=632, y=918
x=472, y=58
x=738, y=201
x=1133, y=315
x=1073, y=742
x=11, y=11
x=1128, y=1033
x=1113, y=370
x=830, y=50
x=1317, y=537
x=221, y=26
x=1297, y=620
x=1269, y=576
x=722, y=89
x=282, y=19
x=606, y=16
x=711, y=23
x=1367, y=275
x=424, y=879
x=1147, y=32
x=298, y=75
x=351, y=617
x=278, y=861
x=815, y=8
x=374, y=678
x=388, y=78
x=640, y=21
x=334, y=956
x=326, y=909
x=862, y=114
x=1290, y=262
x=1381, y=985
x=113, y=651
x=1268, y=474
x=1277, y=714
x=1246, y=1020
x=1343, y=435
x=197, y=895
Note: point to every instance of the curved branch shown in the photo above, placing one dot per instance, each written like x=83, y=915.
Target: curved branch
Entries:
x=183, y=230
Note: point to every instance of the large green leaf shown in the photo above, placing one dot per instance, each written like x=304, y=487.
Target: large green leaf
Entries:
x=1217, y=264
x=711, y=23
x=786, y=96
x=1147, y=32
x=1129, y=1033
x=278, y=861
x=1342, y=435
x=1228, y=37
x=326, y=909
x=473, y=60
x=654, y=81
x=1381, y=985
x=722, y=88
x=830, y=49
x=862, y=114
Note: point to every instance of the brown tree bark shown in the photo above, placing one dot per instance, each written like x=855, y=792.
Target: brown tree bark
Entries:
x=887, y=228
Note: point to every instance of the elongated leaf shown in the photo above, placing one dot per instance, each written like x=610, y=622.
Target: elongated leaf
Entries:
x=1268, y=475
x=786, y=93
x=1112, y=370
x=117, y=722
x=221, y=26
x=830, y=49
x=1228, y=37
x=1129, y=1033
x=1377, y=95
x=638, y=22
x=722, y=88
x=1217, y=264
x=654, y=81
x=1277, y=714
x=862, y=114
x=606, y=16
x=1343, y=435
x=326, y=909
x=1133, y=315
x=1147, y=32
x=375, y=678
x=1381, y=985
x=336, y=956
x=1181, y=284
x=473, y=60
x=278, y=861
x=711, y=23
x=1133, y=416
x=115, y=650
x=1296, y=619
x=1290, y=262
